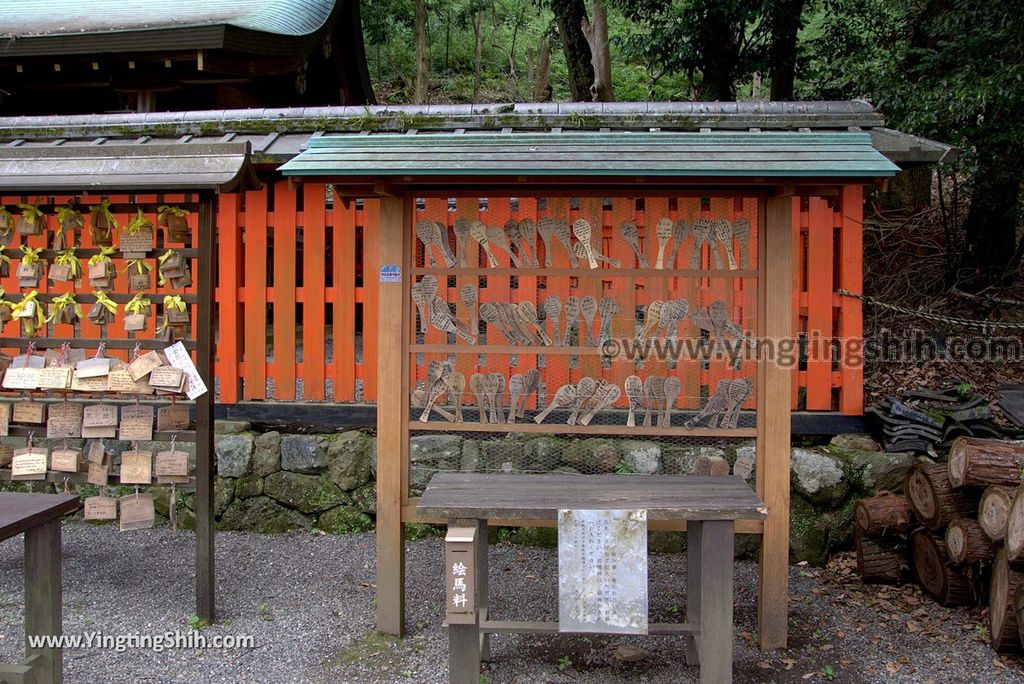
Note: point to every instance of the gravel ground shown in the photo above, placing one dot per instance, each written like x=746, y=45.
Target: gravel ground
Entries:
x=309, y=602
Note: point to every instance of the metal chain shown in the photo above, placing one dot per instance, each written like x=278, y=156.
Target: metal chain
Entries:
x=983, y=326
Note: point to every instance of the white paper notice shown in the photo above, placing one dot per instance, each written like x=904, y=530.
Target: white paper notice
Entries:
x=180, y=359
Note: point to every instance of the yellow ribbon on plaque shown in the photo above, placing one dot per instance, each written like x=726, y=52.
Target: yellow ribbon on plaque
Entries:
x=139, y=304
x=105, y=301
x=64, y=301
x=161, y=259
x=142, y=265
x=164, y=211
x=103, y=210
x=104, y=255
x=69, y=212
x=172, y=302
x=29, y=255
x=6, y=221
x=34, y=321
x=138, y=222
x=31, y=213
x=68, y=258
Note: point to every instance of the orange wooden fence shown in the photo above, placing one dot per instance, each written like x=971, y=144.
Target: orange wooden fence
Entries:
x=297, y=289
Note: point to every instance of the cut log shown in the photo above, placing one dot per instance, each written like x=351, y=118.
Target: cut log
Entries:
x=937, y=576
x=994, y=509
x=881, y=559
x=1015, y=530
x=932, y=499
x=1003, y=624
x=967, y=543
x=975, y=462
x=715, y=466
x=883, y=514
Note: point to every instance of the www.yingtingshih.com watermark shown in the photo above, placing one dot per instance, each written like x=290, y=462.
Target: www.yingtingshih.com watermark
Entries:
x=912, y=346
x=157, y=642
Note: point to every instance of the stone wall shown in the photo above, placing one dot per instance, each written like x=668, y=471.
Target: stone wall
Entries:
x=273, y=482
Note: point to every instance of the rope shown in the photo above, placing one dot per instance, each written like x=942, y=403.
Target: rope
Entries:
x=989, y=298
x=983, y=326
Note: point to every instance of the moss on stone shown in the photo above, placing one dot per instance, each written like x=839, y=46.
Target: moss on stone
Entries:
x=344, y=520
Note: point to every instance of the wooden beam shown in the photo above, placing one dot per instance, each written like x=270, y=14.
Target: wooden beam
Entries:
x=205, y=460
x=392, y=414
x=773, y=399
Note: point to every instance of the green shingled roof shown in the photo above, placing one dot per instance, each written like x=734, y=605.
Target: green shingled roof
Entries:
x=815, y=154
x=34, y=18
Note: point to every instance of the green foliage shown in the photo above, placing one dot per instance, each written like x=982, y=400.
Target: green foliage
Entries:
x=197, y=623
x=564, y=663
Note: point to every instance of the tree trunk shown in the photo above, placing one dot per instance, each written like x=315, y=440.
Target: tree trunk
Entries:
x=991, y=249
x=940, y=580
x=422, y=84
x=349, y=52
x=994, y=510
x=1002, y=617
x=881, y=560
x=596, y=33
x=975, y=462
x=883, y=514
x=967, y=543
x=569, y=16
x=478, y=36
x=1015, y=530
x=542, y=72
x=933, y=499
x=785, y=23
x=720, y=50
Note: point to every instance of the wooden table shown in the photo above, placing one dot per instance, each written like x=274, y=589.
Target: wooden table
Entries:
x=38, y=516
x=709, y=505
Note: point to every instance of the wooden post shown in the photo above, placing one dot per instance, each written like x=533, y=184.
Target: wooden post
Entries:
x=392, y=413
x=773, y=418
x=205, y=458
x=43, y=600
x=714, y=557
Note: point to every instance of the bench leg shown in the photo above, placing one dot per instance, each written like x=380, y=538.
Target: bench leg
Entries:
x=482, y=595
x=693, y=557
x=43, y=598
x=715, y=561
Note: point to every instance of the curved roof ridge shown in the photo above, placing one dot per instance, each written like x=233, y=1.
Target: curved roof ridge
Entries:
x=41, y=18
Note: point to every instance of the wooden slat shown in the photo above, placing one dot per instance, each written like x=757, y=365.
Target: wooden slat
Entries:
x=344, y=227
x=283, y=367
x=561, y=428
x=850, y=277
x=371, y=306
x=799, y=280
x=229, y=319
x=255, y=326
x=773, y=425
x=314, y=265
x=819, y=305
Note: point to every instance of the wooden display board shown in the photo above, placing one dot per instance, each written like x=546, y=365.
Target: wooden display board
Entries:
x=193, y=244
x=731, y=291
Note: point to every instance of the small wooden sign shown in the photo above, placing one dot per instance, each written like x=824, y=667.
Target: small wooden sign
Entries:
x=167, y=379
x=21, y=378
x=29, y=464
x=28, y=361
x=144, y=365
x=136, y=424
x=172, y=418
x=5, y=419
x=137, y=467
x=65, y=460
x=99, y=474
x=29, y=413
x=97, y=453
x=6, y=455
x=94, y=384
x=99, y=415
x=134, y=322
x=172, y=464
x=137, y=245
x=54, y=378
x=60, y=273
x=137, y=512
x=92, y=368
x=64, y=421
x=120, y=381
x=100, y=508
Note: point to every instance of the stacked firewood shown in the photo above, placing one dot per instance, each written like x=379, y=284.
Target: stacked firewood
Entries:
x=960, y=526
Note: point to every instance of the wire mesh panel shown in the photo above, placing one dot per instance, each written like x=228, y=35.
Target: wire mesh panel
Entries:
x=583, y=335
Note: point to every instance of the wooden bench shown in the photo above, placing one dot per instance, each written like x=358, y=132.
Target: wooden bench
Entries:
x=709, y=505
x=38, y=516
